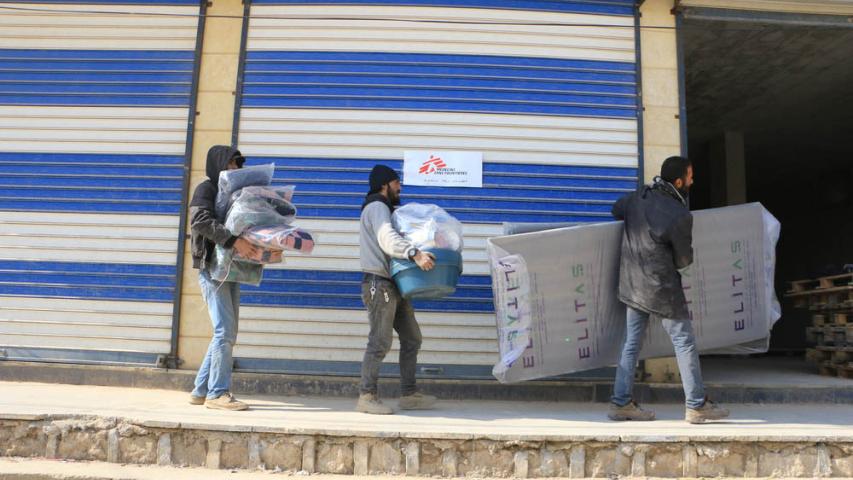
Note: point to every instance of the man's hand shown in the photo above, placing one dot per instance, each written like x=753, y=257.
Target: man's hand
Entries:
x=244, y=248
x=425, y=260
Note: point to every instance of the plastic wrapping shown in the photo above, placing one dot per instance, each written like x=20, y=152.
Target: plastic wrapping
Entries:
x=262, y=255
x=557, y=309
x=282, y=237
x=232, y=180
x=225, y=268
x=255, y=208
x=428, y=226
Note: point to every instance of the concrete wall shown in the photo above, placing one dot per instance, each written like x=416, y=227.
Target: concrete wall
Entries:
x=658, y=50
x=215, y=112
x=661, y=123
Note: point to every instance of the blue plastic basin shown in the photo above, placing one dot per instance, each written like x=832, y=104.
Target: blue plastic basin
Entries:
x=439, y=282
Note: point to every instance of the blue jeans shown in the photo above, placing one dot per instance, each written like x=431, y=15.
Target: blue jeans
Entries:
x=681, y=333
x=223, y=305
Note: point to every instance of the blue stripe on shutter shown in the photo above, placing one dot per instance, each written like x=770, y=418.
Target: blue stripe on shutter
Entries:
x=605, y=7
x=340, y=289
x=96, y=281
x=464, y=83
x=335, y=188
x=91, y=183
x=95, y=77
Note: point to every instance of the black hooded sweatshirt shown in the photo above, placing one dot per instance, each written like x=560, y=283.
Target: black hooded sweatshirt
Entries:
x=657, y=242
x=206, y=230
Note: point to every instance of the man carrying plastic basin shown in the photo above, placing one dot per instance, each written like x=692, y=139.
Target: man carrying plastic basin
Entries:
x=387, y=310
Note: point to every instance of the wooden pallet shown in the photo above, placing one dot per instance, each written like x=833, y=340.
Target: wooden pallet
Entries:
x=827, y=302
x=836, y=280
x=842, y=318
x=820, y=283
x=837, y=336
x=822, y=293
x=832, y=318
x=836, y=370
x=836, y=354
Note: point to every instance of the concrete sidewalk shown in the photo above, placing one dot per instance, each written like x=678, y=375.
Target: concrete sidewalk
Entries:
x=452, y=419
x=468, y=437
x=764, y=380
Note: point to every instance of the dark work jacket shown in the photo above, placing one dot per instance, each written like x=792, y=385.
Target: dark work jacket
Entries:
x=206, y=230
x=657, y=242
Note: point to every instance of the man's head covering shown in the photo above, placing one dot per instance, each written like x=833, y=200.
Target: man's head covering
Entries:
x=381, y=175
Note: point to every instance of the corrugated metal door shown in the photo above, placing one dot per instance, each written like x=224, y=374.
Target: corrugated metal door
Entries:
x=94, y=105
x=546, y=90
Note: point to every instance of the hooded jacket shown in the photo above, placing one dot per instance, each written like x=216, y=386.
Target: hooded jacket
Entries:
x=657, y=242
x=206, y=230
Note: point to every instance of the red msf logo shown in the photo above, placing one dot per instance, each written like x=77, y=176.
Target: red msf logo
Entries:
x=431, y=165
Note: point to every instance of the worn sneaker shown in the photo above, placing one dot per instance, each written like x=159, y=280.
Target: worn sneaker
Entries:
x=630, y=411
x=370, y=403
x=417, y=401
x=226, y=401
x=708, y=411
x=196, y=400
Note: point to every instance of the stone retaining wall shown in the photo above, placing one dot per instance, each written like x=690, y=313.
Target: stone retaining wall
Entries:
x=164, y=443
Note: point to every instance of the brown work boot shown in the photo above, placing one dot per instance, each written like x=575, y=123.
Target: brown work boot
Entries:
x=196, y=400
x=708, y=411
x=226, y=401
x=631, y=411
x=370, y=403
x=417, y=401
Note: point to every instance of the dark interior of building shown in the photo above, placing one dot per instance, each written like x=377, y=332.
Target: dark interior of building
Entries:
x=770, y=119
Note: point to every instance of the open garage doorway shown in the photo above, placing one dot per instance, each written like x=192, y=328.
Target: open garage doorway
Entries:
x=769, y=117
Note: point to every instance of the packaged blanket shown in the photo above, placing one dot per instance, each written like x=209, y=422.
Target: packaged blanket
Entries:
x=258, y=207
x=282, y=237
x=231, y=181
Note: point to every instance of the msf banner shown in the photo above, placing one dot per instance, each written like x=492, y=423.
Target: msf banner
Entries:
x=432, y=168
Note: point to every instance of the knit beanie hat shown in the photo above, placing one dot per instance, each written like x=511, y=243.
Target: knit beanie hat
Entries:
x=381, y=175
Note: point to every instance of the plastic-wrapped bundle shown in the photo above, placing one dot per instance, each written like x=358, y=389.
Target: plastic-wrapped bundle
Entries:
x=232, y=180
x=428, y=226
x=225, y=268
x=262, y=255
x=284, y=192
x=252, y=210
x=284, y=237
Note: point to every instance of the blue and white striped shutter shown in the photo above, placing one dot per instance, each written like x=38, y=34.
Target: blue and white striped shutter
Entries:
x=546, y=90
x=94, y=109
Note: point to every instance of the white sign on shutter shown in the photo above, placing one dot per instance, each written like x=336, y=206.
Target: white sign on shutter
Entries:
x=443, y=169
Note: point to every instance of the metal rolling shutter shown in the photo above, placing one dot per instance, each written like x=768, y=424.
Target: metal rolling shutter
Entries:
x=330, y=90
x=94, y=105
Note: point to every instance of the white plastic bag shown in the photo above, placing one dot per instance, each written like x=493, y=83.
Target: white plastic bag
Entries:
x=428, y=226
x=224, y=267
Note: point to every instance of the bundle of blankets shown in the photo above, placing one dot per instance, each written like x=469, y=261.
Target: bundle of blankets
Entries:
x=263, y=215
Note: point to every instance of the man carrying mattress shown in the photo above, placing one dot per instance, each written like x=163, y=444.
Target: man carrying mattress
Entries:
x=387, y=310
x=213, y=381
x=657, y=246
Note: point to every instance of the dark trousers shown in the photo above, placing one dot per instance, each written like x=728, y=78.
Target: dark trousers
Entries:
x=388, y=311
